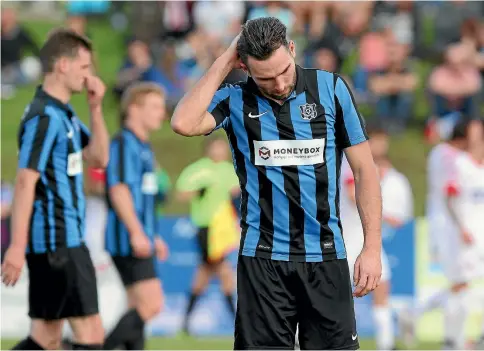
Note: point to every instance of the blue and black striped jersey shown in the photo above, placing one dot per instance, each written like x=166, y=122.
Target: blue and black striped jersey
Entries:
x=131, y=162
x=288, y=160
x=50, y=140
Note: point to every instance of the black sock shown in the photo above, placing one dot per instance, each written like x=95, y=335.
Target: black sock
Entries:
x=136, y=344
x=191, y=305
x=76, y=346
x=27, y=344
x=127, y=329
x=230, y=302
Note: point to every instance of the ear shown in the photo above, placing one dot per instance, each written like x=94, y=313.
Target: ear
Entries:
x=63, y=64
x=244, y=67
x=292, y=48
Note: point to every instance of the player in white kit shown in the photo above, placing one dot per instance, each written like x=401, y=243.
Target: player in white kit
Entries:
x=441, y=166
x=112, y=300
x=464, y=248
x=397, y=209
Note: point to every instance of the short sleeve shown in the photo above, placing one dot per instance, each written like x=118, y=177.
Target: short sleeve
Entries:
x=85, y=134
x=36, y=141
x=349, y=125
x=220, y=106
x=399, y=202
x=122, y=163
x=195, y=177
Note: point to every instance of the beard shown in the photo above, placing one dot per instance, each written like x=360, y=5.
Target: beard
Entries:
x=283, y=96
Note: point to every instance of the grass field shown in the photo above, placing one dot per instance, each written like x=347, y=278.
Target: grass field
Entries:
x=172, y=151
x=216, y=344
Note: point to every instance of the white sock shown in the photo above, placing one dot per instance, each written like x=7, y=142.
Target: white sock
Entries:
x=433, y=302
x=455, y=317
x=385, y=337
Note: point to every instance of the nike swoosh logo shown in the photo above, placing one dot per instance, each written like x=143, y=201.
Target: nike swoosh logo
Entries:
x=70, y=134
x=353, y=337
x=256, y=116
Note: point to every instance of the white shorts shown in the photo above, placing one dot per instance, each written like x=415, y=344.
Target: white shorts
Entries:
x=462, y=265
x=352, y=254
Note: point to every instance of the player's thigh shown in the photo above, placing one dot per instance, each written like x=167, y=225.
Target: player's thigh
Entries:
x=84, y=316
x=47, y=334
x=142, y=284
x=266, y=315
x=147, y=297
x=327, y=317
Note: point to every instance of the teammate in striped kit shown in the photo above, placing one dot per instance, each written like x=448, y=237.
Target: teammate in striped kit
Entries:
x=288, y=127
x=49, y=205
x=131, y=233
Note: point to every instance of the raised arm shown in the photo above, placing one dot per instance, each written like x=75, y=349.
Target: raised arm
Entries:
x=196, y=113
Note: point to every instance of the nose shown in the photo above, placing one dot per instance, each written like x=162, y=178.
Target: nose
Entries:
x=280, y=86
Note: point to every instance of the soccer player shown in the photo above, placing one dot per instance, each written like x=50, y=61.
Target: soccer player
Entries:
x=288, y=127
x=49, y=205
x=209, y=185
x=131, y=233
x=465, y=201
x=111, y=296
x=440, y=167
x=397, y=210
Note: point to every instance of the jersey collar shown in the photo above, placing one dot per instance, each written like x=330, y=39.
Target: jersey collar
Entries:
x=300, y=84
x=43, y=95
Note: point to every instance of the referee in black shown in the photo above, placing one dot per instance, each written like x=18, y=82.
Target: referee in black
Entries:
x=288, y=127
x=49, y=205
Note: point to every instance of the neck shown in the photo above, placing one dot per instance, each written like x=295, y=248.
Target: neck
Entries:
x=56, y=90
x=137, y=130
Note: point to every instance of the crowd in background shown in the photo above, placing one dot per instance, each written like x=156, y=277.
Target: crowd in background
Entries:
x=380, y=47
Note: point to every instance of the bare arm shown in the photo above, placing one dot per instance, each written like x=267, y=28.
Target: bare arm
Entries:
x=96, y=153
x=23, y=202
x=367, y=192
x=191, y=117
x=123, y=204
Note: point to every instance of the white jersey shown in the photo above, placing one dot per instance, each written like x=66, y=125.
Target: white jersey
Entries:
x=96, y=216
x=397, y=204
x=467, y=189
x=440, y=168
x=463, y=262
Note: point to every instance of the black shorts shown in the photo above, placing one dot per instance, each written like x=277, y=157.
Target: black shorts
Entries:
x=202, y=237
x=274, y=296
x=133, y=269
x=62, y=284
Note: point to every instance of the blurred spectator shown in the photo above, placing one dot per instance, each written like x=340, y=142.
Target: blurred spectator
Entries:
x=77, y=24
x=218, y=20
x=394, y=86
x=310, y=18
x=15, y=42
x=88, y=7
x=139, y=66
x=325, y=55
x=146, y=19
x=399, y=16
x=443, y=19
x=6, y=197
x=277, y=9
x=454, y=85
x=178, y=18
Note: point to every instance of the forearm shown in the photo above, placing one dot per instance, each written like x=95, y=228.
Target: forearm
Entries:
x=21, y=212
x=123, y=205
x=369, y=203
x=191, y=109
x=99, y=141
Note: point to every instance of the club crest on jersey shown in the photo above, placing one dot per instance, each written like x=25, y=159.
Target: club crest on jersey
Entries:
x=308, y=111
x=264, y=153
